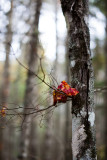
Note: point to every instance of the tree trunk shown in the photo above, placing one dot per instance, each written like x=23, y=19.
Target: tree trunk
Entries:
x=68, y=150
x=83, y=116
x=33, y=152
x=4, y=145
x=56, y=32
x=6, y=74
x=48, y=140
x=56, y=145
x=30, y=93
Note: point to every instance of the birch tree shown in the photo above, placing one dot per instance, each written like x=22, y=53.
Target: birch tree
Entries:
x=83, y=116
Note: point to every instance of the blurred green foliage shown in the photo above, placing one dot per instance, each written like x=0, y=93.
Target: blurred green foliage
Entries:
x=101, y=152
x=99, y=63
x=100, y=4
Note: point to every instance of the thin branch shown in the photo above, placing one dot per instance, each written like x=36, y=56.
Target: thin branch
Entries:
x=40, y=110
x=101, y=89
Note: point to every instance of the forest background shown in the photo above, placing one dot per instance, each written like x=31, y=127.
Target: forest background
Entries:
x=35, y=25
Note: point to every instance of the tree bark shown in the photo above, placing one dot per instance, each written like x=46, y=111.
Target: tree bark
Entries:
x=68, y=150
x=83, y=116
x=30, y=93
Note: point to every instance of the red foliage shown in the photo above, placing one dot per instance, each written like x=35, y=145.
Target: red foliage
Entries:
x=63, y=91
x=3, y=111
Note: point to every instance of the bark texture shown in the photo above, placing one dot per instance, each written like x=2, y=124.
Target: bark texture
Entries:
x=83, y=116
x=30, y=93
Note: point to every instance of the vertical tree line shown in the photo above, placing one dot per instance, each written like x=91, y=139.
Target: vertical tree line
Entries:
x=106, y=79
x=78, y=121
x=30, y=92
x=102, y=5
x=5, y=90
x=83, y=116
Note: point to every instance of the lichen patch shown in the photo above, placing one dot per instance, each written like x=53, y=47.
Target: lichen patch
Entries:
x=73, y=63
x=91, y=118
x=78, y=140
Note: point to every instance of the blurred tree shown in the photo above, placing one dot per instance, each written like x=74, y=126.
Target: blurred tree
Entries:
x=56, y=29
x=98, y=62
x=6, y=72
x=52, y=147
x=30, y=93
x=48, y=141
x=68, y=133
x=56, y=139
x=102, y=5
x=4, y=142
x=83, y=116
x=33, y=142
x=106, y=85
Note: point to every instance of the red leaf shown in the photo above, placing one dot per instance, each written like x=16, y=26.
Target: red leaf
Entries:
x=59, y=96
x=3, y=111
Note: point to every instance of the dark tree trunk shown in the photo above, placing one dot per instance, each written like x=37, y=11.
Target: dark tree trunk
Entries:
x=83, y=116
x=30, y=93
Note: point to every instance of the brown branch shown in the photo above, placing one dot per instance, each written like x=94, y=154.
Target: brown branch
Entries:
x=101, y=89
x=26, y=114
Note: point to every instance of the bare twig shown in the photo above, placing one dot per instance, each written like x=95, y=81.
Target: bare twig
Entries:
x=101, y=89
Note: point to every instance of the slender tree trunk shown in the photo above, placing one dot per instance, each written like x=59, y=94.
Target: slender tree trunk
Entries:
x=33, y=152
x=57, y=139
x=56, y=143
x=56, y=30
x=48, y=141
x=30, y=92
x=6, y=74
x=68, y=151
x=83, y=116
x=4, y=145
